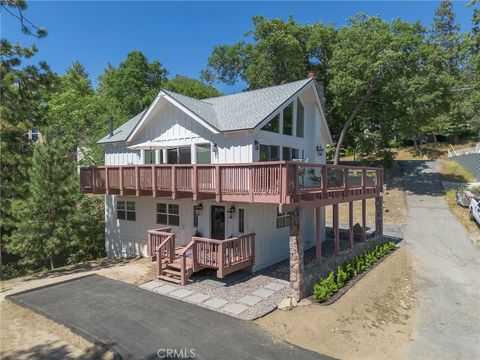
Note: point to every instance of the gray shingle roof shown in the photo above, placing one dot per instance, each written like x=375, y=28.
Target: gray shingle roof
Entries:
x=121, y=133
x=226, y=113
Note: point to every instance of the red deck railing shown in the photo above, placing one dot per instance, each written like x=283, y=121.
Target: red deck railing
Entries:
x=281, y=182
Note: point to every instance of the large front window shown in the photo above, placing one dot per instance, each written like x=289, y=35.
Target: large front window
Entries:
x=288, y=119
x=179, y=155
x=300, y=119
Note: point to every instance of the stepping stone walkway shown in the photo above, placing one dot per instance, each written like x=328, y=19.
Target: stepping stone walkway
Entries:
x=254, y=297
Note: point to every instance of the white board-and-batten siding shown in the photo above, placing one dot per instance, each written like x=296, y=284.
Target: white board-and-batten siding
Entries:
x=126, y=238
x=172, y=127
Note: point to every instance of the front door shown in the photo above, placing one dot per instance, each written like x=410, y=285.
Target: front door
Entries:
x=218, y=222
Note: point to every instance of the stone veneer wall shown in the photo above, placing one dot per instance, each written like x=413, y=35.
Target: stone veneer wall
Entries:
x=314, y=272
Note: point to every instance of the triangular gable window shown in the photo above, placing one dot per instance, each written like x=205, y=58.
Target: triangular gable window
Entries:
x=273, y=125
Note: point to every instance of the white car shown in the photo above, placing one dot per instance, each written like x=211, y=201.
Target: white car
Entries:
x=475, y=210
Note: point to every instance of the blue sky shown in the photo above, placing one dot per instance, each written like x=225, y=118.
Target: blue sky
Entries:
x=179, y=34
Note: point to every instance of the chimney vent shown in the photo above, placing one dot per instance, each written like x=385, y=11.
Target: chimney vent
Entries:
x=311, y=74
x=110, y=126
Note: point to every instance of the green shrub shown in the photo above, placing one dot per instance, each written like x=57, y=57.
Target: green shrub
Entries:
x=330, y=284
x=341, y=277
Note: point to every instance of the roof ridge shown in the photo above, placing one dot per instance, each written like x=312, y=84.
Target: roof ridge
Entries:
x=176, y=93
x=254, y=90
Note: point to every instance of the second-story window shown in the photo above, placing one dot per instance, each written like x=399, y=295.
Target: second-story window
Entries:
x=179, y=155
x=273, y=125
x=204, y=154
x=269, y=153
x=300, y=119
x=288, y=119
x=149, y=157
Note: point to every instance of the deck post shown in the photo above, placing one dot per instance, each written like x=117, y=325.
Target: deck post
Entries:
x=120, y=175
x=336, y=232
x=218, y=183
x=364, y=219
x=379, y=215
x=195, y=182
x=107, y=184
x=296, y=255
x=137, y=180
x=154, y=181
x=318, y=238
x=174, y=182
x=350, y=224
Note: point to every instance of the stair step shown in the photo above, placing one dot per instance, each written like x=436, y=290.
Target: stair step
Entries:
x=174, y=272
x=178, y=264
x=170, y=279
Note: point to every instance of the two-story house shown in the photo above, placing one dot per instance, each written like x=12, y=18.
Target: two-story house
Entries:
x=215, y=182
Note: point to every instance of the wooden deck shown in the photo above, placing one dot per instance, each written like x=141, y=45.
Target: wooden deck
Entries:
x=177, y=264
x=286, y=183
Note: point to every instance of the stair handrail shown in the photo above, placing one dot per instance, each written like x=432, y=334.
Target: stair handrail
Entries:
x=171, y=255
x=183, y=260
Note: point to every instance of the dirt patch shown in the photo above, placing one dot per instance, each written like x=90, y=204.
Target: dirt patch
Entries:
x=373, y=320
x=134, y=271
x=27, y=335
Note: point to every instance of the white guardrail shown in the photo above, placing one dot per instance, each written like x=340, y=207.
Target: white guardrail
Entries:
x=471, y=150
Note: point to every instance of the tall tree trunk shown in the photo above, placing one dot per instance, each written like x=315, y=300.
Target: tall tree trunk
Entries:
x=52, y=265
x=350, y=119
x=435, y=142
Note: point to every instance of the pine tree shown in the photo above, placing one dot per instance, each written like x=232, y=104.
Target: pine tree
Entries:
x=46, y=219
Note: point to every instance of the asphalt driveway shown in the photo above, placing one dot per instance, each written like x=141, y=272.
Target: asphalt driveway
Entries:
x=136, y=324
x=447, y=270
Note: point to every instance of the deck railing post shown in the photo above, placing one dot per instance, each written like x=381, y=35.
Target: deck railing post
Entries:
x=218, y=183
x=324, y=182
x=107, y=184
x=221, y=260
x=154, y=181
x=137, y=180
x=195, y=182
x=350, y=223
x=174, y=182
x=346, y=173
x=171, y=249
x=251, y=172
x=94, y=180
x=364, y=181
x=120, y=175
x=183, y=269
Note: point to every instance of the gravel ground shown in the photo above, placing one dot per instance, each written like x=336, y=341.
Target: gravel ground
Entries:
x=233, y=290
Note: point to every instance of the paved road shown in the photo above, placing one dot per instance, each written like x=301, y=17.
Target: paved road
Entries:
x=136, y=323
x=448, y=270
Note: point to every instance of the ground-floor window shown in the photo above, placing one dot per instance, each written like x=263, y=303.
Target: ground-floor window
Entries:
x=149, y=157
x=283, y=220
x=126, y=210
x=168, y=214
x=241, y=220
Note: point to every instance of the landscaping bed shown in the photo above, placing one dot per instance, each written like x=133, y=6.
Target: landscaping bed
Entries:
x=334, y=285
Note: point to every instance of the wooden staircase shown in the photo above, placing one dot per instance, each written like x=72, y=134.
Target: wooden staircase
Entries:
x=172, y=272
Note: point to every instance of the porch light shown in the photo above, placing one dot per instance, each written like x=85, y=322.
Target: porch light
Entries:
x=319, y=150
x=256, y=145
x=215, y=149
x=231, y=211
x=198, y=208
